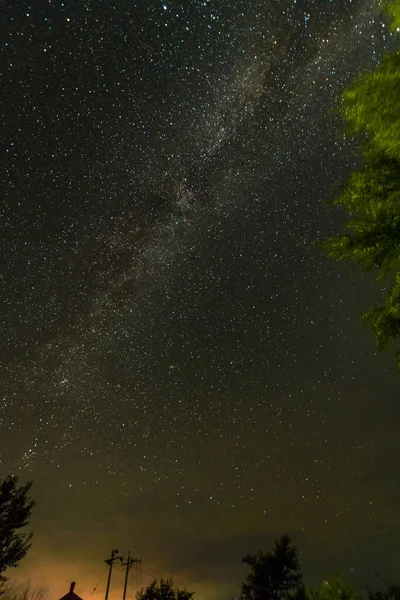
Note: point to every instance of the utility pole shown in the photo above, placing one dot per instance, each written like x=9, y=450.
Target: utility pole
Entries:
x=129, y=562
x=110, y=561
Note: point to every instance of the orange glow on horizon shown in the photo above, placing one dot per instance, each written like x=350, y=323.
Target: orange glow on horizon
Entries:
x=55, y=575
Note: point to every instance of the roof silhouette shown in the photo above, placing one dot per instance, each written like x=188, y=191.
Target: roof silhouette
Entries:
x=71, y=594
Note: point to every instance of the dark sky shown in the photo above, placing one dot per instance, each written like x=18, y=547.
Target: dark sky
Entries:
x=185, y=375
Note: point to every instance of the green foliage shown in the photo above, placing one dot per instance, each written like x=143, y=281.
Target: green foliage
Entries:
x=371, y=109
x=385, y=319
x=163, y=590
x=392, y=7
x=334, y=589
x=371, y=106
x=372, y=199
x=274, y=575
x=15, y=509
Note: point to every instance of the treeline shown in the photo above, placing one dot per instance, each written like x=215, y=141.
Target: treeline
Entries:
x=273, y=575
x=277, y=575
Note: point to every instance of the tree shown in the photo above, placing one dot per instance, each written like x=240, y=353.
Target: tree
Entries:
x=371, y=109
x=385, y=318
x=393, y=9
x=372, y=200
x=163, y=590
x=15, y=509
x=274, y=575
x=334, y=589
x=24, y=591
x=371, y=106
x=391, y=591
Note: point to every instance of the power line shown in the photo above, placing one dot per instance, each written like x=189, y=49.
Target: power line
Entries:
x=129, y=563
x=136, y=578
x=110, y=561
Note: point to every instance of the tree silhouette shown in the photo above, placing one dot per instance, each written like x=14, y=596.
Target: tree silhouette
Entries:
x=163, y=590
x=390, y=592
x=15, y=509
x=274, y=575
x=371, y=109
x=24, y=591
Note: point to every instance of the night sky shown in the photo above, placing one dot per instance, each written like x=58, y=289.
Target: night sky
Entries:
x=185, y=374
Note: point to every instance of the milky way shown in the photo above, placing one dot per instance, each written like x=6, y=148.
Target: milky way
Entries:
x=172, y=339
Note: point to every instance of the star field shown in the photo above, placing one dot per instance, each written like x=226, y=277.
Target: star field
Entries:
x=180, y=363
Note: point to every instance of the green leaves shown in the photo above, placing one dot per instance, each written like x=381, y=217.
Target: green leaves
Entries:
x=392, y=7
x=371, y=106
x=334, y=589
x=385, y=319
x=371, y=110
